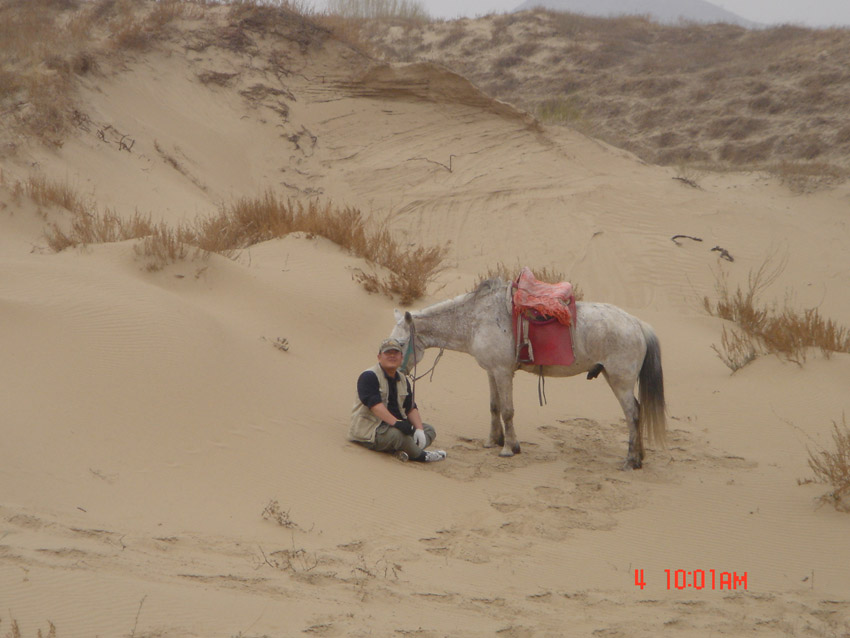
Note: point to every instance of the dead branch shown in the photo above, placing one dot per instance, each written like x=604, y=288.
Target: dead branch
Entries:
x=675, y=237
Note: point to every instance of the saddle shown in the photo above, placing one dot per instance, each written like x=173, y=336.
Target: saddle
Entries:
x=542, y=321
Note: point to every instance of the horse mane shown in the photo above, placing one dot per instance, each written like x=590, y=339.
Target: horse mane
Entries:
x=486, y=286
x=489, y=284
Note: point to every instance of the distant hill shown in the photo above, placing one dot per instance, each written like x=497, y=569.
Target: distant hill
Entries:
x=665, y=11
x=714, y=95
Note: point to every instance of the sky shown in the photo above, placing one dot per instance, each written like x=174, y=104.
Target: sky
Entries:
x=814, y=13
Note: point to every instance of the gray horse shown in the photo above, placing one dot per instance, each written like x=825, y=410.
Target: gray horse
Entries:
x=606, y=339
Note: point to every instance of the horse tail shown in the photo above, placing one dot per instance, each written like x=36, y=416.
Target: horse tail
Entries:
x=653, y=420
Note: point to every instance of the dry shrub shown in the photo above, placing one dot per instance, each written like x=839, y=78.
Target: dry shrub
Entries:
x=747, y=152
x=90, y=226
x=805, y=177
x=274, y=513
x=559, y=111
x=833, y=467
x=455, y=35
x=137, y=27
x=15, y=631
x=87, y=225
x=407, y=9
x=527, y=49
x=45, y=192
x=349, y=31
x=737, y=349
x=766, y=329
x=161, y=246
x=507, y=61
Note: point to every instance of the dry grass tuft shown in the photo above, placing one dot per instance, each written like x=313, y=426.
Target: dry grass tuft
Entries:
x=764, y=329
x=87, y=225
x=833, y=467
x=15, y=631
x=161, y=245
x=737, y=349
x=45, y=192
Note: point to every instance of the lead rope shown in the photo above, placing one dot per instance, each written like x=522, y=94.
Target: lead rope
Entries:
x=411, y=347
x=431, y=369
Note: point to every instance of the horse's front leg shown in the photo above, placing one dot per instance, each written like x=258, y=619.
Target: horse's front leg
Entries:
x=497, y=436
x=505, y=385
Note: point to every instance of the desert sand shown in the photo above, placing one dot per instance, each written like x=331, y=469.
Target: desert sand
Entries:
x=149, y=421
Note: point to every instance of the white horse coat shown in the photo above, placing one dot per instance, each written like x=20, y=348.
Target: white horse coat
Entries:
x=606, y=339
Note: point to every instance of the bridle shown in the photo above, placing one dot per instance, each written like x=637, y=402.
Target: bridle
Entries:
x=410, y=351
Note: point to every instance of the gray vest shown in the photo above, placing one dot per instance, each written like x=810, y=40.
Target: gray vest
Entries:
x=363, y=422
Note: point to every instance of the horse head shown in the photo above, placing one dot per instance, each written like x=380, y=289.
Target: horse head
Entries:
x=413, y=349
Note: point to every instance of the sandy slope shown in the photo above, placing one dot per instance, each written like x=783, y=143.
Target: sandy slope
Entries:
x=149, y=419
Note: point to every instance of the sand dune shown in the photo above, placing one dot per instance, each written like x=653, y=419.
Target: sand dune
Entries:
x=149, y=419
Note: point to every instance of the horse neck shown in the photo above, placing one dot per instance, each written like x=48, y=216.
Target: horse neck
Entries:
x=446, y=325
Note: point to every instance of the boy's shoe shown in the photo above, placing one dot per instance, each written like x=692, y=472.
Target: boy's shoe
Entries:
x=432, y=456
x=402, y=456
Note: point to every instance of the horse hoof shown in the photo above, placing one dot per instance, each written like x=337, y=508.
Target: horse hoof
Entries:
x=632, y=464
x=506, y=452
x=516, y=448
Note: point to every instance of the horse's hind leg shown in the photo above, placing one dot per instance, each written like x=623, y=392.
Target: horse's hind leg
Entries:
x=497, y=436
x=625, y=395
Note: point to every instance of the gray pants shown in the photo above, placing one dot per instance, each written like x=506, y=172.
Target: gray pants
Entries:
x=391, y=439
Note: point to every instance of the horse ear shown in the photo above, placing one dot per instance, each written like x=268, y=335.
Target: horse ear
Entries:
x=408, y=318
x=397, y=314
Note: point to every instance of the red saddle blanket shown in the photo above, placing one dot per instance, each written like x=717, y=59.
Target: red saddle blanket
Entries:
x=542, y=321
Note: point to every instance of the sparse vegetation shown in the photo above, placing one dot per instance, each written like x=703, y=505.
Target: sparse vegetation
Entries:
x=559, y=111
x=273, y=512
x=15, y=631
x=714, y=96
x=397, y=271
x=295, y=560
x=832, y=467
x=760, y=329
x=711, y=96
x=48, y=44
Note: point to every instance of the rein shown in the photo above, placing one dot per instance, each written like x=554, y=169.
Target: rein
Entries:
x=411, y=351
